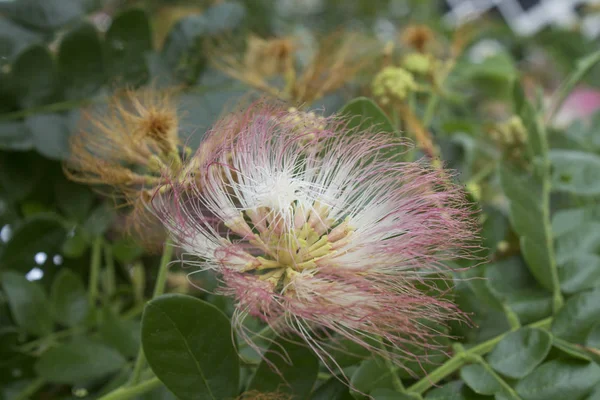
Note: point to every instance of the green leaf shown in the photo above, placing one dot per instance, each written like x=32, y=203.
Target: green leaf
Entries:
x=127, y=42
x=76, y=243
x=455, y=390
x=595, y=395
x=388, y=394
x=580, y=273
x=565, y=221
x=50, y=134
x=188, y=345
x=529, y=222
x=126, y=250
x=520, y=352
x=480, y=380
x=572, y=350
x=14, y=135
x=79, y=361
x=39, y=233
x=497, y=67
x=123, y=335
x=575, y=172
x=99, y=220
x=28, y=304
x=583, y=240
x=14, y=38
x=288, y=368
x=512, y=284
x=182, y=51
x=46, y=14
x=20, y=174
x=73, y=200
x=593, y=338
x=80, y=62
x=332, y=389
x=365, y=114
x=559, y=380
x=34, y=77
x=371, y=374
x=579, y=314
x=69, y=300
x=223, y=17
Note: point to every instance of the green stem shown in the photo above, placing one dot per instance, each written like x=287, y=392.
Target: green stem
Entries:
x=458, y=360
x=73, y=104
x=129, y=392
x=396, y=382
x=27, y=347
x=434, y=99
x=95, y=271
x=482, y=173
x=163, y=269
x=159, y=288
x=557, y=297
x=507, y=389
x=31, y=389
x=584, y=65
x=110, y=272
x=264, y=333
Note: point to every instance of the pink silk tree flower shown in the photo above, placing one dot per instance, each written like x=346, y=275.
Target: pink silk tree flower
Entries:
x=581, y=104
x=317, y=229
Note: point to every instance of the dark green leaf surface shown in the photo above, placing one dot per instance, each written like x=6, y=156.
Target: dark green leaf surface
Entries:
x=80, y=62
x=364, y=113
x=78, y=362
x=295, y=370
x=520, y=352
x=74, y=200
x=575, y=172
x=527, y=218
x=332, y=389
x=188, y=345
x=388, y=394
x=28, y=304
x=34, y=77
x=559, y=380
x=14, y=38
x=579, y=314
x=480, y=380
x=39, y=233
x=50, y=133
x=224, y=17
x=123, y=335
x=46, y=14
x=455, y=390
x=181, y=51
x=69, y=299
x=371, y=374
x=14, y=135
x=127, y=43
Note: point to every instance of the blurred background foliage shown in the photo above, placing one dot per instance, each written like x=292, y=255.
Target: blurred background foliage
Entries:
x=61, y=339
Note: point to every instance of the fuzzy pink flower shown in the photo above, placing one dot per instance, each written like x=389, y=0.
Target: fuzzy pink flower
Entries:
x=316, y=229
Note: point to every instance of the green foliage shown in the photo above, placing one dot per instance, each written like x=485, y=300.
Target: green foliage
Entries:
x=28, y=304
x=81, y=360
x=73, y=282
x=188, y=345
x=365, y=114
x=520, y=352
x=287, y=368
x=68, y=298
x=559, y=379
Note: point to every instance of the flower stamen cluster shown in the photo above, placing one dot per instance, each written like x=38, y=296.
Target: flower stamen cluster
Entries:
x=328, y=239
